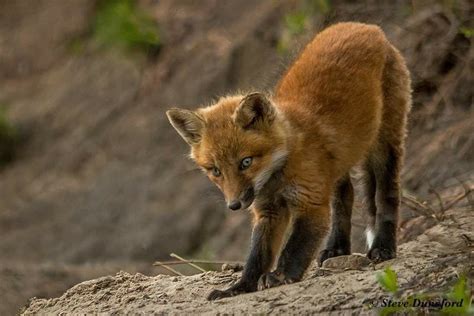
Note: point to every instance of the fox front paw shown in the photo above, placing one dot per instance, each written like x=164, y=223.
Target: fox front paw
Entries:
x=273, y=279
x=232, y=291
x=218, y=294
x=379, y=253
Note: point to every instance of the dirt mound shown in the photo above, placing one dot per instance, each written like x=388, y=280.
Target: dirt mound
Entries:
x=431, y=264
x=47, y=279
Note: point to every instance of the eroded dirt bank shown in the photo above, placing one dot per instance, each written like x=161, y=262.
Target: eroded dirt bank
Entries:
x=431, y=263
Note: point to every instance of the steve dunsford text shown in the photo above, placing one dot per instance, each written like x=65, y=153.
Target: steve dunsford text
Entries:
x=422, y=303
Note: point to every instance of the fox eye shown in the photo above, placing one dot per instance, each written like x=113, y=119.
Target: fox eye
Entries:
x=245, y=163
x=216, y=172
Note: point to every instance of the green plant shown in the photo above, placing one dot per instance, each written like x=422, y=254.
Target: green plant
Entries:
x=388, y=280
x=301, y=20
x=296, y=22
x=466, y=31
x=121, y=23
x=460, y=294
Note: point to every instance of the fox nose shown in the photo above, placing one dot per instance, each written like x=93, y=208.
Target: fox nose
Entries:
x=234, y=205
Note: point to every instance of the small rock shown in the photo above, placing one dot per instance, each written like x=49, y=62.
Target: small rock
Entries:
x=347, y=262
x=232, y=267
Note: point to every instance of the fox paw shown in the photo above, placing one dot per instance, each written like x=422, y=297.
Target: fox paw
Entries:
x=379, y=254
x=218, y=294
x=232, y=291
x=330, y=253
x=272, y=279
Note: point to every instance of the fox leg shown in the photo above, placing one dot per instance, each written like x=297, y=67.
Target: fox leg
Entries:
x=309, y=229
x=267, y=236
x=387, y=199
x=387, y=156
x=339, y=241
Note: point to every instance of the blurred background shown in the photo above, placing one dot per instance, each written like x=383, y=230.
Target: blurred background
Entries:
x=94, y=180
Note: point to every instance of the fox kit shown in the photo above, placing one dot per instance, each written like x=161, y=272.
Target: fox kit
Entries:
x=287, y=155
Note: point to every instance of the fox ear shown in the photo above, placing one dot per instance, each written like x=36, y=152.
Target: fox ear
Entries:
x=254, y=109
x=187, y=123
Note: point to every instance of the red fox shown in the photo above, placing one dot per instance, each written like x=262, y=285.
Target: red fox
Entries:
x=286, y=155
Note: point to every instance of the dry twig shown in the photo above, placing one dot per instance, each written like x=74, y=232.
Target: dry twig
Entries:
x=438, y=197
x=420, y=207
x=161, y=264
x=191, y=262
x=458, y=198
x=186, y=262
x=424, y=209
x=176, y=262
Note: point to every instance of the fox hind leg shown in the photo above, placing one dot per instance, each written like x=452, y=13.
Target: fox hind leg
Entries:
x=387, y=155
x=387, y=199
x=339, y=241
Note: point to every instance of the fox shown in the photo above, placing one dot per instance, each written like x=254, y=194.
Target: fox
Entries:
x=286, y=154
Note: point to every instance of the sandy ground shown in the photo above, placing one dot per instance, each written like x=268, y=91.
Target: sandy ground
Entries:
x=429, y=264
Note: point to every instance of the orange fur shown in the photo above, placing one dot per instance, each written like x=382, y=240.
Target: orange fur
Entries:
x=346, y=96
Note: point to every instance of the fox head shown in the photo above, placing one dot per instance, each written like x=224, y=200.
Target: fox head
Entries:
x=239, y=142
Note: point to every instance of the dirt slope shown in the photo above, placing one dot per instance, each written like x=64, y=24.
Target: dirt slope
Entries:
x=430, y=263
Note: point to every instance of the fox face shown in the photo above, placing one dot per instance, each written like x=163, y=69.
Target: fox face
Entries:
x=239, y=142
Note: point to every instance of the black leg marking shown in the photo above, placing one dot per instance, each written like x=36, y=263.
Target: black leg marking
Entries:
x=266, y=240
x=339, y=241
x=369, y=189
x=388, y=203
x=297, y=254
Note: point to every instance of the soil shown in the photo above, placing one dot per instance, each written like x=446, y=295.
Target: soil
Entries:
x=434, y=261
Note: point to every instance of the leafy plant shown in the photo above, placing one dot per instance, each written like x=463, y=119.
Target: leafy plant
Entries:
x=466, y=31
x=388, y=280
x=459, y=292
x=121, y=23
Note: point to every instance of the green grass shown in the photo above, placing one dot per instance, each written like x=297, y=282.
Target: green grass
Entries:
x=119, y=23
